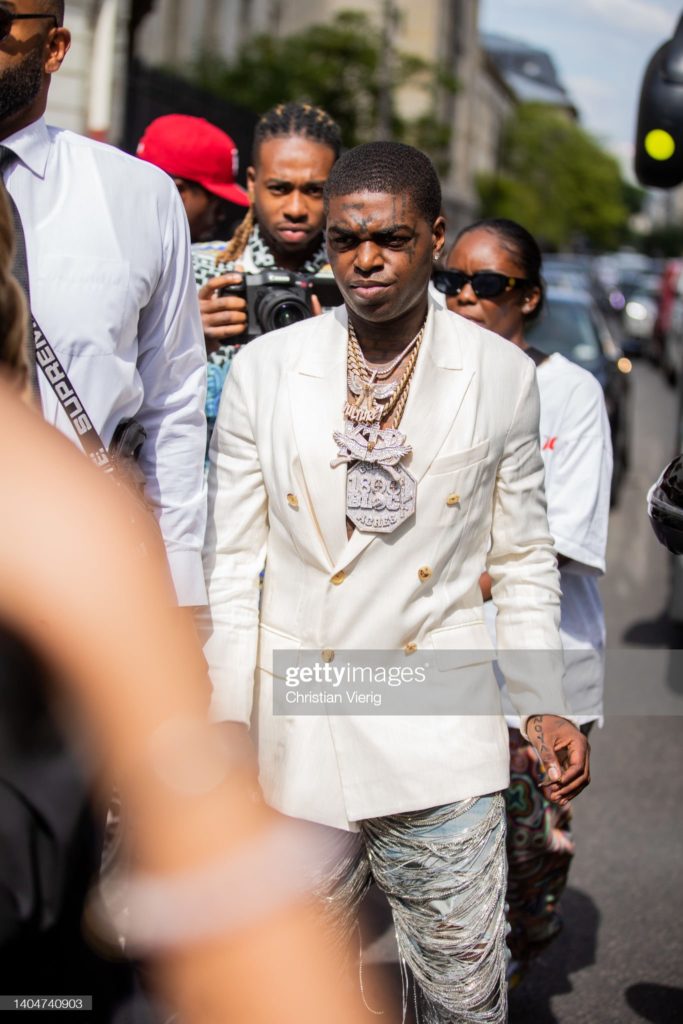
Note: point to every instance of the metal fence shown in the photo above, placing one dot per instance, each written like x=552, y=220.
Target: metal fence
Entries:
x=152, y=93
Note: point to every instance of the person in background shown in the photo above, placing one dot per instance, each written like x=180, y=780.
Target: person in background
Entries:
x=494, y=279
x=295, y=147
x=103, y=250
x=203, y=162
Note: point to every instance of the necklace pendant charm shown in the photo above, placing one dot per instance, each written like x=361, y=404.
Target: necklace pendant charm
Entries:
x=379, y=498
x=380, y=494
x=366, y=408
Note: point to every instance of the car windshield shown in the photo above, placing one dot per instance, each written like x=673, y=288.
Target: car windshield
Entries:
x=567, y=327
x=646, y=284
x=566, y=277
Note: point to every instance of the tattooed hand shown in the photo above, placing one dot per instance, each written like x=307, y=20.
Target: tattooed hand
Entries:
x=565, y=754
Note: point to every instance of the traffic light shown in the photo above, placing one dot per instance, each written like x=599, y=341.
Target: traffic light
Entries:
x=659, y=137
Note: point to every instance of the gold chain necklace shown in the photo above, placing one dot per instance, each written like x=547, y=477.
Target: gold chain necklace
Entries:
x=380, y=493
x=383, y=370
x=374, y=402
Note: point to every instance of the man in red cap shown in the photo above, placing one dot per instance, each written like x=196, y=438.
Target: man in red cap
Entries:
x=203, y=162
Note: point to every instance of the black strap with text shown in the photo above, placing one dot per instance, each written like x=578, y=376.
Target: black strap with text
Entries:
x=58, y=379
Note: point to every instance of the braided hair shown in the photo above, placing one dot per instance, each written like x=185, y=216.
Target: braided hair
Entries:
x=311, y=122
x=13, y=317
x=283, y=121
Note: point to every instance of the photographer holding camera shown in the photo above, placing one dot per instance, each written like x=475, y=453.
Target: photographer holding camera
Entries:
x=295, y=148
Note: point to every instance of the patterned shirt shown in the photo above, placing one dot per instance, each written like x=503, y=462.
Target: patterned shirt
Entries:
x=256, y=257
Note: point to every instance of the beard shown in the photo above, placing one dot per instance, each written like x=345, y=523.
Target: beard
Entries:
x=20, y=84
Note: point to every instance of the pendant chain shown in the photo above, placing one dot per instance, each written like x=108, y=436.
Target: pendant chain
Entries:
x=381, y=494
x=384, y=370
x=399, y=396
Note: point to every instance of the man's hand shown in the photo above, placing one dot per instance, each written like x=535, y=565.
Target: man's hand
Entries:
x=223, y=316
x=565, y=754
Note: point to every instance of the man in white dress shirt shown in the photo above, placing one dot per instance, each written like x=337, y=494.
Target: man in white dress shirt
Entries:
x=111, y=285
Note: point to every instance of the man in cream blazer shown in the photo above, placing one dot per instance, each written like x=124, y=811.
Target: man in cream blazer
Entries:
x=471, y=419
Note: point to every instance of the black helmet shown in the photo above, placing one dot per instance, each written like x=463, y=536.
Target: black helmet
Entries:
x=665, y=507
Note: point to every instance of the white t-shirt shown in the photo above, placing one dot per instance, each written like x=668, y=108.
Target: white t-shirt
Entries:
x=577, y=453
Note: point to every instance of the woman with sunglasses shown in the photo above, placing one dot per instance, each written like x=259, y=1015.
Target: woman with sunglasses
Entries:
x=493, y=277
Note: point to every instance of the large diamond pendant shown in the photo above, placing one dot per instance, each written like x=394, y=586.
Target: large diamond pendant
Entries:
x=380, y=494
x=379, y=499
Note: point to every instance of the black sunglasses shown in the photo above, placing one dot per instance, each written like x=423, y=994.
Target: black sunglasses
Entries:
x=486, y=284
x=7, y=17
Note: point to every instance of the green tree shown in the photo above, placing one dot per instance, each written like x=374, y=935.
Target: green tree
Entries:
x=558, y=181
x=666, y=240
x=634, y=196
x=337, y=66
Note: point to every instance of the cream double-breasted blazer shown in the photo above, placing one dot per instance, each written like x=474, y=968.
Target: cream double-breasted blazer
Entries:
x=274, y=500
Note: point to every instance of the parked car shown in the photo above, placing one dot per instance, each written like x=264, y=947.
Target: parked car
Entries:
x=641, y=297
x=672, y=346
x=671, y=272
x=572, y=324
x=578, y=273
x=566, y=275
x=610, y=267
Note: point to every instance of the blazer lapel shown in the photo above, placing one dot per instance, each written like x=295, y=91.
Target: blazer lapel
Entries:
x=317, y=391
x=437, y=391
x=436, y=394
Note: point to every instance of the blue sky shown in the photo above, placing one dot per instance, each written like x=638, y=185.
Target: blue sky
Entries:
x=601, y=49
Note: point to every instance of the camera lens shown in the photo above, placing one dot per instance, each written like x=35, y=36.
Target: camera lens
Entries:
x=279, y=307
x=288, y=313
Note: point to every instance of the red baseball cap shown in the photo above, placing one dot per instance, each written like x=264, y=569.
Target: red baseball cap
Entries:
x=194, y=149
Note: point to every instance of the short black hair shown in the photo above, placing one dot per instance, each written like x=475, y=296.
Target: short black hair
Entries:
x=55, y=7
x=390, y=167
x=521, y=245
x=304, y=119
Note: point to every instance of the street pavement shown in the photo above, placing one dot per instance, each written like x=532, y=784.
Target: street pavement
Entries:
x=620, y=957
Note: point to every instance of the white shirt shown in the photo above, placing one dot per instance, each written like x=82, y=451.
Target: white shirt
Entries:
x=112, y=288
x=577, y=454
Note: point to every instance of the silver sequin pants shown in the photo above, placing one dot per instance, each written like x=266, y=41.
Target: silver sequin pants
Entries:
x=443, y=871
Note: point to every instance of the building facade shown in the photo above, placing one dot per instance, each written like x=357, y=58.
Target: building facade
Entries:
x=530, y=73
x=175, y=33
x=88, y=93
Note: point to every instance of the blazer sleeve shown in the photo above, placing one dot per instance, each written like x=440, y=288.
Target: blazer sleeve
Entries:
x=234, y=553
x=523, y=566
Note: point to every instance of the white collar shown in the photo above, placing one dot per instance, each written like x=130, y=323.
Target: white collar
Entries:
x=32, y=146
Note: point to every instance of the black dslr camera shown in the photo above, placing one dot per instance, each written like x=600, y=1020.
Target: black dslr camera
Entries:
x=278, y=298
